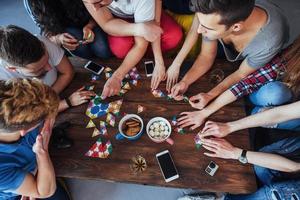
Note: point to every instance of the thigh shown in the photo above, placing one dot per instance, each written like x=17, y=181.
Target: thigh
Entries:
x=120, y=46
x=271, y=94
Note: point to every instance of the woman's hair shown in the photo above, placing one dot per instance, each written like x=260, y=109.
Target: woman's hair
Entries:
x=24, y=103
x=292, y=75
x=54, y=16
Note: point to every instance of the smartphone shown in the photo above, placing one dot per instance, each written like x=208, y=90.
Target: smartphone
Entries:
x=93, y=67
x=149, y=67
x=167, y=166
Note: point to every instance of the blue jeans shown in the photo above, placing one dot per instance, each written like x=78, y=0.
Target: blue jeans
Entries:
x=277, y=185
x=274, y=94
x=99, y=48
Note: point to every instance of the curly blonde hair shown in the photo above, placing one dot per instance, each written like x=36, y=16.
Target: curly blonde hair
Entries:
x=24, y=103
x=292, y=75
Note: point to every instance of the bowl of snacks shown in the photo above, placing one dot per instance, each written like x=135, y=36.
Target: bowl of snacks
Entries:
x=130, y=127
x=159, y=130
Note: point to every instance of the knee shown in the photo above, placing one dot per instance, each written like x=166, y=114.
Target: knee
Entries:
x=262, y=174
x=172, y=37
x=120, y=46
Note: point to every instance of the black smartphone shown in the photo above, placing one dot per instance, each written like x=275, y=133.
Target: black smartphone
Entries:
x=167, y=166
x=149, y=67
x=93, y=67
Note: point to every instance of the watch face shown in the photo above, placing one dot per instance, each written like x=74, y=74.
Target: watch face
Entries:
x=243, y=160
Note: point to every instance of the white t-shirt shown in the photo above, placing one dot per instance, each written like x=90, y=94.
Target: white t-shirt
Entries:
x=139, y=10
x=55, y=56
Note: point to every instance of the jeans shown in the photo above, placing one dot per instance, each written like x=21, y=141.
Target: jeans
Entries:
x=99, y=48
x=277, y=185
x=274, y=94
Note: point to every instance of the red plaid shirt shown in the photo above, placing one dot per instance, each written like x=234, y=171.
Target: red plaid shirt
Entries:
x=270, y=72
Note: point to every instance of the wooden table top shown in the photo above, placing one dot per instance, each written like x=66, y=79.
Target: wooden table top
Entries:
x=231, y=177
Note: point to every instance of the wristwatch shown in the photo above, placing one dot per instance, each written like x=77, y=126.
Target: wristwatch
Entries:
x=243, y=157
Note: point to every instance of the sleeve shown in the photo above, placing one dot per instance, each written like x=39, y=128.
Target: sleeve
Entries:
x=11, y=178
x=254, y=81
x=55, y=52
x=144, y=11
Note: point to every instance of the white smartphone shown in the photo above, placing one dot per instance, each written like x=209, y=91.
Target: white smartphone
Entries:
x=93, y=67
x=149, y=67
x=167, y=166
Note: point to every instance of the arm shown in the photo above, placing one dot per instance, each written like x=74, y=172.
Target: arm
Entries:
x=66, y=73
x=222, y=149
x=156, y=47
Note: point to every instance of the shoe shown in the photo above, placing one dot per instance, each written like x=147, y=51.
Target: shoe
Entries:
x=204, y=196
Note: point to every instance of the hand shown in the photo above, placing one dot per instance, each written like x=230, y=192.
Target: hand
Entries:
x=42, y=140
x=81, y=96
x=178, y=90
x=220, y=148
x=149, y=30
x=215, y=129
x=200, y=100
x=159, y=74
x=194, y=119
x=172, y=76
x=88, y=35
x=68, y=41
x=111, y=87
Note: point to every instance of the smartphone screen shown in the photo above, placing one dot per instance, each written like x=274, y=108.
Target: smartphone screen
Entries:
x=167, y=165
x=149, y=68
x=94, y=67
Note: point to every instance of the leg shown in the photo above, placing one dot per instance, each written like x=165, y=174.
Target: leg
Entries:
x=289, y=190
x=100, y=47
x=172, y=32
x=271, y=94
x=120, y=46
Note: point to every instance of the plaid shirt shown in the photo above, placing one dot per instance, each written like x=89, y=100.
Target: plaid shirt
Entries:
x=272, y=71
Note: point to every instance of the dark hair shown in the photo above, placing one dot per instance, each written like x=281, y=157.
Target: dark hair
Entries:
x=54, y=16
x=25, y=103
x=18, y=47
x=231, y=11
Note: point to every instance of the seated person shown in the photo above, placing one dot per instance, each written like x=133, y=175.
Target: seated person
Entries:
x=243, y=28
x=272, y=85
x=277, y=165
x=22, y=55
x=25, y=166
x=130, y=25
x=68, y=23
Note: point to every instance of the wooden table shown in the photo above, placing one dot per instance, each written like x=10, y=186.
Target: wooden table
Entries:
x=231, y=177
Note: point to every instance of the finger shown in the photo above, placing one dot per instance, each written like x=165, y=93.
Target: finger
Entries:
x=212, y=149
x=80, y=89
x=105, y=92
x=156, y=83
x=206, y=127
x=68, y=35
x=211, y=142
x=174, y=91
x=67, y=40
x=185, y=113
x=178, y=98
x=210, y=154
x=183, y=118
x=193, y=104
x=168, y=87
x=189, y=123
x=194, y=98
x=195, y=126
x=183, y=121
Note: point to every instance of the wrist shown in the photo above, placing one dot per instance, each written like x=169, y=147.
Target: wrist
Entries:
x=237, y=152
x=233, y=126
x=118, y=76
x=68, y=102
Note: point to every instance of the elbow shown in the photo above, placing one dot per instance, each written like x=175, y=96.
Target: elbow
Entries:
x=293, y=168
x=47, y=193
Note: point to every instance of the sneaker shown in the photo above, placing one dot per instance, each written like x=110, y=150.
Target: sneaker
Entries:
x=204, y=196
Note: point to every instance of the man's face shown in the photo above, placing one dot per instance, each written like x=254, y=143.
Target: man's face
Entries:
x=36, y=69
x=209, y=26
x=97, y=4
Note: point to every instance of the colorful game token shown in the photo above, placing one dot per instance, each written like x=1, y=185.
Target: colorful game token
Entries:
x=89, y=87
x=103, y=130
x=134, y=82
x=158, y=93
x=114, y=107
x=174, y=121
x=198, y=141
x=96, y=108
x=95, y=77
x=186, y=99
x=110, y=119
x=108, y=75
x=180, y=130
x=126, y=86
x=122, y=92
x=169, y=97
x=91, y=124
x=100, y=150
x=95, y=132
x=140, y=109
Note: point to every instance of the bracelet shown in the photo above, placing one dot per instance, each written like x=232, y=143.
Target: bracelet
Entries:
x=68, y=102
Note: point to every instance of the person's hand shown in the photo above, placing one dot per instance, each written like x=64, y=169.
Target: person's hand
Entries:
x=215, y=129
x=194, y=119
x=81, y=96
x=43, y=139
x=178, y=90
x=172, y=76
x=68, y=41
x=88, y=35
x=200, y=100
x=149, y=30
x=159, y=74
x=220, y=148
x=112, y=87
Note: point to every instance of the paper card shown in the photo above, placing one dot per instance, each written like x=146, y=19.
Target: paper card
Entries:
x=158, y=93
x=103, y=130
x=95, y=132
x=140, y=109
x=115, y=106
x=100, y=149
x=110, y=119
x=91, y=124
